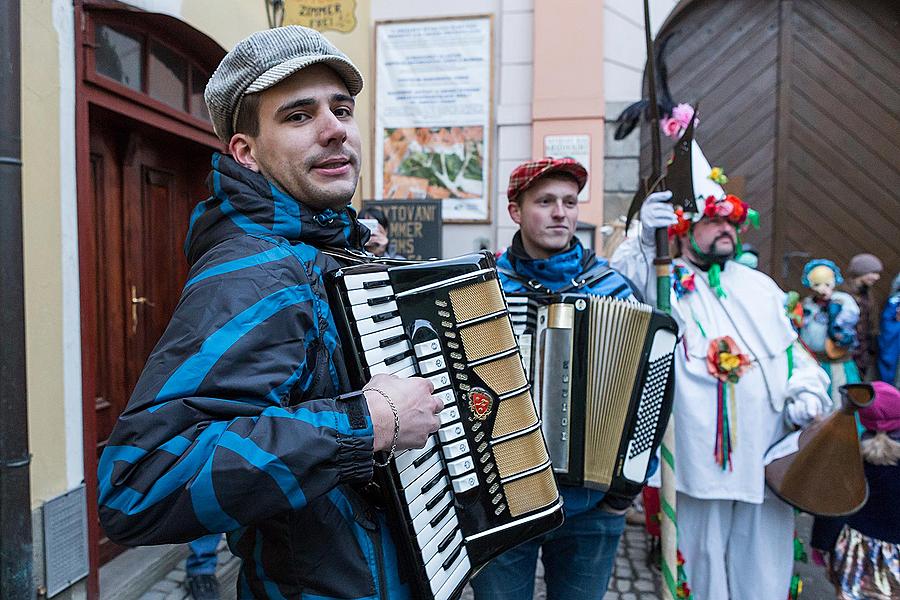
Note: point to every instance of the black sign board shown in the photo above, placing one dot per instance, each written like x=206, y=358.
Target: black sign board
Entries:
x=415, y=230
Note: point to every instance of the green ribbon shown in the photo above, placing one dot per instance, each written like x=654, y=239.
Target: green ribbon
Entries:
x=753, y=218
x=715, y=279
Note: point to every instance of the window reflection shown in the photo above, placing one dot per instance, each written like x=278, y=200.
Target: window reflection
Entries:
x=167, y=77
x=118, y=56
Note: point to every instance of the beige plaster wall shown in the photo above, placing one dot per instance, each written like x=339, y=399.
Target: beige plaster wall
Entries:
x=43, y=257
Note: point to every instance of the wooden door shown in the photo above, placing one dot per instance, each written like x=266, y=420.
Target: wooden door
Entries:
x=144, y=186
x=798, y=99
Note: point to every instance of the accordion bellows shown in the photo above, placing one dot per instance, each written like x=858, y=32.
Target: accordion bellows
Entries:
x=601, y=374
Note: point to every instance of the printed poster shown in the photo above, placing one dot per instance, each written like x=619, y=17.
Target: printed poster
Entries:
x=433, y=114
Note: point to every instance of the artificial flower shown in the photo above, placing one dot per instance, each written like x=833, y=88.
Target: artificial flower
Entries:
x=670, y=127
x=724, y=360
x=718, y=175
x=682, y=226
x=682, y=281
x=683, y=113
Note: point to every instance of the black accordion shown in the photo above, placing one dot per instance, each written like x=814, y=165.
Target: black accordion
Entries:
x=484, y=482
x=602, y=377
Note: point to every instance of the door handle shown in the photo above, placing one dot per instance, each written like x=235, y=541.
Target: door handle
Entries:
x=135, y=300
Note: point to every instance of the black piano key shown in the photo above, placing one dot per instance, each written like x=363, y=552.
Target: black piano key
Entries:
x=446, y=541
x=436, y=500
x=385, y=316
x=396, y=358
x=438, y=517
x=452, y=558
x=391, y=340
x=369, y=285
x=377, y=301
x=425, y=456
x=430, y=484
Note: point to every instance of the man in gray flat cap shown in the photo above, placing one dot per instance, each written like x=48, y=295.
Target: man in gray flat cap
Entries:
x=244, y=420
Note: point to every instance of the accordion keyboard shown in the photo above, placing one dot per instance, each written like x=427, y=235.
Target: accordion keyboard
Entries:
x=425, y=484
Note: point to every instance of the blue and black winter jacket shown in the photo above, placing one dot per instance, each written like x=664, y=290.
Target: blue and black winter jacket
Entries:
x=243, y=420
x=560, y=271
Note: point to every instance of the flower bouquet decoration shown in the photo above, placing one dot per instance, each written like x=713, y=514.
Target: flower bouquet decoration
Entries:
x=727, y=364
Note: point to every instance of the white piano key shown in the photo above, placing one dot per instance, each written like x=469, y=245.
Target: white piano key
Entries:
x=456, y=449
x=465, y=483
x=431, y=365
x=361, y=296
x=449, y=414
x=460, y=466
x=446, y=397
x=427, y=348
x=394, y=368
x=444, y=528
x=367, y=326
x=415, y=489
x=407, y=371
x=372, y=340
x=377, y=355
x=451, y=432
x=460, y=570
x=437, y=561
x=364, y=311
x=422, y=526
x=407, y=476
x=357, y=282
x=407, y=457
x=441, y=380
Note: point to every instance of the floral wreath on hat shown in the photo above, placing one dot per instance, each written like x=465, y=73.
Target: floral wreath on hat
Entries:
x=730, y=207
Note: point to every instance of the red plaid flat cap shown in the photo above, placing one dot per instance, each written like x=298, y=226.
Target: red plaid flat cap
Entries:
x=526, y=174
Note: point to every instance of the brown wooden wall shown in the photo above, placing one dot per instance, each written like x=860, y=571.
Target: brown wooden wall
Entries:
x=800, y=99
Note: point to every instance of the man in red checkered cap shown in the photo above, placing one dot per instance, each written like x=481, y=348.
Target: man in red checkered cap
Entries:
x=546, y=256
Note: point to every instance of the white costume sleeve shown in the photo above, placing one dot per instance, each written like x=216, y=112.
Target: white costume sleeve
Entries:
x=635, y=261
x=808, y=385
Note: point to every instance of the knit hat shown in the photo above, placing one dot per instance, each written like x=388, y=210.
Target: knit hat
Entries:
x=264, y=59
x=524, y=176
x=864, y=263
x=883, y=414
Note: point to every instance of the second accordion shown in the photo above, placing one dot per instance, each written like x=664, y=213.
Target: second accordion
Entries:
x=602, y=375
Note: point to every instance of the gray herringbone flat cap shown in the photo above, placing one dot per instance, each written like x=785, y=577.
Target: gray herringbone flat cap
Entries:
x=265, y=58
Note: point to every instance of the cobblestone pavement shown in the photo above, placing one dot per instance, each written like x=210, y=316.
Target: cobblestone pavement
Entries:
x=632, y=579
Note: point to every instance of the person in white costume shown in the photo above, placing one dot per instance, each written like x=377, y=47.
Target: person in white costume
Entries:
x=741, y=384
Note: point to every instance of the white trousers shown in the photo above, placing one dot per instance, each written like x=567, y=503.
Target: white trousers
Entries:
x=736, y=550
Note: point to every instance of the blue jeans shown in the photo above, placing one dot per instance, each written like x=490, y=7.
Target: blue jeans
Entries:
x=202, y=559
x=578, y=561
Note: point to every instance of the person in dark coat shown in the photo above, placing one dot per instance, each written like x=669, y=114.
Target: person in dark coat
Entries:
x=243, y=420
x=863, y=272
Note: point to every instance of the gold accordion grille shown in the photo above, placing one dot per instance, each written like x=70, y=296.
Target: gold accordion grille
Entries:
x=504, y=375
x=520, y=454
x=514, y=414
x=531, y=493
x=476, y=300
x=487, y=338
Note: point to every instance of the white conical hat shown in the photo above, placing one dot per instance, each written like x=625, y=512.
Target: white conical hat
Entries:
x=704, y=187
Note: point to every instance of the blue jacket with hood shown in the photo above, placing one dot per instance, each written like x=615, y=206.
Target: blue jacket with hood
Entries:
x=243, y=420
x=561, y=270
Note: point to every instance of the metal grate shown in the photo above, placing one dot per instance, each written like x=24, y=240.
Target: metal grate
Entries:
x=65, y=540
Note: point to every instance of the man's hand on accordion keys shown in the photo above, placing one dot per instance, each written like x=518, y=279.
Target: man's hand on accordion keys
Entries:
x=404, y=412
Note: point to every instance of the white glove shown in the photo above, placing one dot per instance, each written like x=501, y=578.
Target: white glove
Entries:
x=656, y=212
x=801, y=410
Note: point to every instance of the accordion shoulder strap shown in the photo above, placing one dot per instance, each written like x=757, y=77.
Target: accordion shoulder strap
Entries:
x=588, y=278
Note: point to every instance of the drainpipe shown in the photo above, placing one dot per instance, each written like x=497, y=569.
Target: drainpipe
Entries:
x=15, y=500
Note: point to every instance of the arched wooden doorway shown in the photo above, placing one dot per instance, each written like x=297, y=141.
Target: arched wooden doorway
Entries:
x=143, y=145
x=799, y=101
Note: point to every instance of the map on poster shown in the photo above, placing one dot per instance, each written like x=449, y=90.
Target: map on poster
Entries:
x=432, y=107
